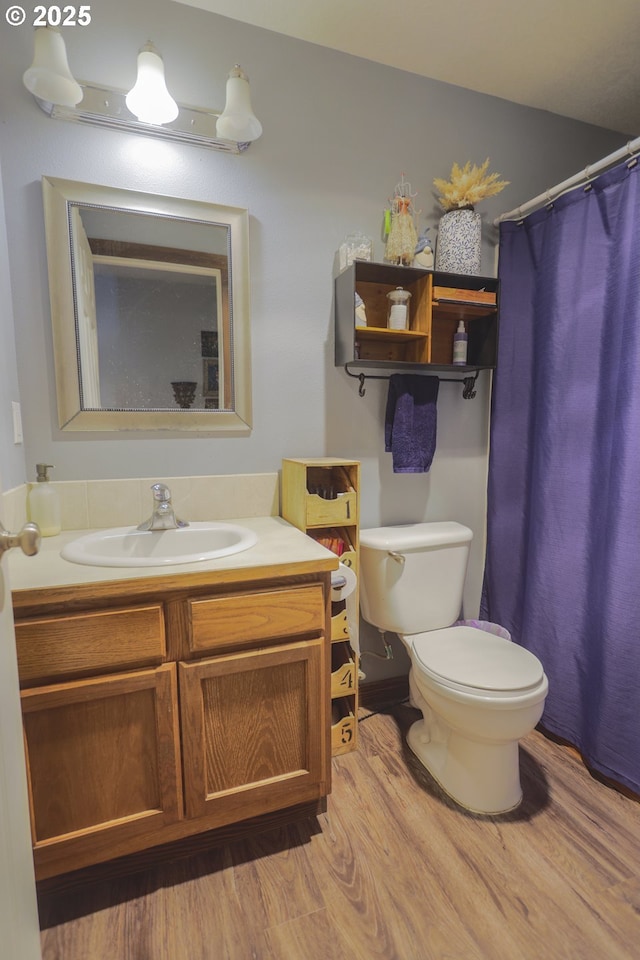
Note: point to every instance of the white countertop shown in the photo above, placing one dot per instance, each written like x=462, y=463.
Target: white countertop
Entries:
x=279, y=543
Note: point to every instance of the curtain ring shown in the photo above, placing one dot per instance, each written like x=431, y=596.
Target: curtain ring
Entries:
x=588, y=185
x=549, y=203
x=634, y=157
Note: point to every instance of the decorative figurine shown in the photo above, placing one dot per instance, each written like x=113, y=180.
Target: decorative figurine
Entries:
x=361, y=313
x=423, y=256
x=402, y=235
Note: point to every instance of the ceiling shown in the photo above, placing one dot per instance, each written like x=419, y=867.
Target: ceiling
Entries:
x=577, y=58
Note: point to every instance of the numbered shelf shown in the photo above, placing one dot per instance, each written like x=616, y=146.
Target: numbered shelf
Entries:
x=339, y=624
x=344, y=673
x=321, y=497
x=344, y=726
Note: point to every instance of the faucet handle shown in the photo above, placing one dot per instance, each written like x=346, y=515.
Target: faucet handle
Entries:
x=161, y=492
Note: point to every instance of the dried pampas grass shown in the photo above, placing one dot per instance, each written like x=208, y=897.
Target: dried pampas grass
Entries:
x=468, y=185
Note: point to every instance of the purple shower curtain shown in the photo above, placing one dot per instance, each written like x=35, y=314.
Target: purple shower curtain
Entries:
x=563, y=554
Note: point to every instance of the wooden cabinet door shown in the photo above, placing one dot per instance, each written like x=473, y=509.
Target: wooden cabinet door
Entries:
x=254, y=731
x=103, y=761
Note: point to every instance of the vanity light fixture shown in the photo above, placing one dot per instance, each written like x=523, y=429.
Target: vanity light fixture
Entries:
x=149, y=100
x=238, y=121
x=56, y=92
x=49, y=77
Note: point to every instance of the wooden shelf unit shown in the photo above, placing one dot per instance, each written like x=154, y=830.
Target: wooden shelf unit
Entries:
x=438, y=302
x=321, y=497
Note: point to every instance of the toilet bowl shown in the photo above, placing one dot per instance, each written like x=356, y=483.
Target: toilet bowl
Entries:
x=478, y=693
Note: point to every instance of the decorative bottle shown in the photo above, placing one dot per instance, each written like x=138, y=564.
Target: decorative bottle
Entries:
x=44, y=503
x=460, y=343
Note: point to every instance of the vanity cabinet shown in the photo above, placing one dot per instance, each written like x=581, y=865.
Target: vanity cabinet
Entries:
x=321, y=497
x=438, y=302
x=198, y=706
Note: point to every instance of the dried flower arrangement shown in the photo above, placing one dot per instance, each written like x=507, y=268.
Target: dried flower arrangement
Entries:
x=468, y=185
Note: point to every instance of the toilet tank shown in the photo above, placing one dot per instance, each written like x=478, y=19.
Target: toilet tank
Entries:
x=412, y=575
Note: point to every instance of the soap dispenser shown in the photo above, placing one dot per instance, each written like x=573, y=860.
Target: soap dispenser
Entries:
x=44, y=502
x=460, y=342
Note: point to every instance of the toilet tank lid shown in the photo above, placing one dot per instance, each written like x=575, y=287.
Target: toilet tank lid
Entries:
x=408, y=536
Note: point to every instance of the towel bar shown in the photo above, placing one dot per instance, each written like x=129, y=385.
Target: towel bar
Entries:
x=468, y=391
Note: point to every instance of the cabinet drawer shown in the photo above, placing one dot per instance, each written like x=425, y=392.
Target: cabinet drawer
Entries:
x=325, y=513
x=89, y=642
x=480, y=298
x=245, y=617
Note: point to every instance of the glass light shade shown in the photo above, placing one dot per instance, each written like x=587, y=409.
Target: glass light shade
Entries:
x=49, y=77
x=149, y=100
x=238, y=121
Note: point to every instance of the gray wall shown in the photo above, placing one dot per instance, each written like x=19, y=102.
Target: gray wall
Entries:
x=11, y=455
x=339, y=132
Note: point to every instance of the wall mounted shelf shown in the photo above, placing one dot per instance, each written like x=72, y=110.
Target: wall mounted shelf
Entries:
x=438, y=302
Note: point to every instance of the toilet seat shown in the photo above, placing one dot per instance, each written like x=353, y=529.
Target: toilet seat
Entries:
x=473, y=661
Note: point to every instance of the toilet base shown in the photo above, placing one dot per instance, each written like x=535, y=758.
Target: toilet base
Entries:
x=481, y=777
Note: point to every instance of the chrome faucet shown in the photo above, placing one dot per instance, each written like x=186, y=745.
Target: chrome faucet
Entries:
x=163, y=516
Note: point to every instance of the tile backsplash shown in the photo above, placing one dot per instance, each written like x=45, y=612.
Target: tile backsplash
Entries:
x=87, y=504
x=13, y=508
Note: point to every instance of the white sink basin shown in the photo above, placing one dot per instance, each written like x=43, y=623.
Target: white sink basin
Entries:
x=130, y=547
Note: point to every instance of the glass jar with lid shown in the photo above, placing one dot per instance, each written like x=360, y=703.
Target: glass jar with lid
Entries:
x=398, y=310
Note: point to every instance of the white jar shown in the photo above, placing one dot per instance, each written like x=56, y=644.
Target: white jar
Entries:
x=398, y=312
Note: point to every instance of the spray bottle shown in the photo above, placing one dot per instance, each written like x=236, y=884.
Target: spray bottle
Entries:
x=460, y=343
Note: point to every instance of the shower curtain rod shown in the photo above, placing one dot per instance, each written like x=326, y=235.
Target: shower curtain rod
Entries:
x=632, y=149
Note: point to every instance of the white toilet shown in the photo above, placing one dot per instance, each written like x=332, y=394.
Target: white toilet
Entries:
x=479, y=694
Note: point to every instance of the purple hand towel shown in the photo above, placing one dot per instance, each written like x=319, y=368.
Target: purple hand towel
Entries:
x=410, y=422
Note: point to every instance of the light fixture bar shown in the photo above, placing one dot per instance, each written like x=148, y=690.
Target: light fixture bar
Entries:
x=106, y=107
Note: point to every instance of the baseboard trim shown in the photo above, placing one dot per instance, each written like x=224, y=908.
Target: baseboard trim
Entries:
x=383, y=693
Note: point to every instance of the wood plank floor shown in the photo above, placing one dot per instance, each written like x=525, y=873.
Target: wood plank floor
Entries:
x=392, y=871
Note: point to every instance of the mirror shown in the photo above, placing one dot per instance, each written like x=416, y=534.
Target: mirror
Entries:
x=150, y=310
